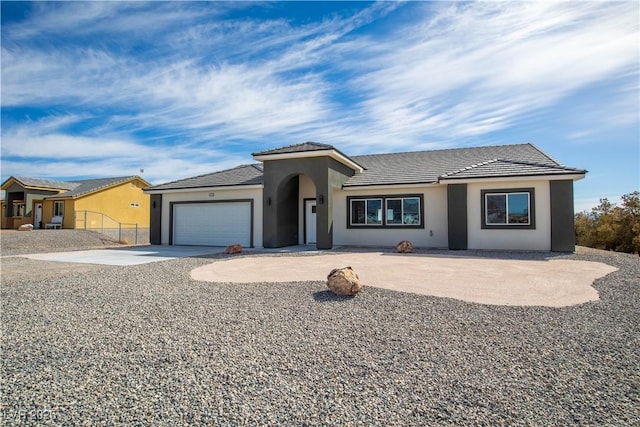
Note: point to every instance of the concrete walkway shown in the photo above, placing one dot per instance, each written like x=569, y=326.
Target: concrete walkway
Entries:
x=552, y=283
x=126, y=256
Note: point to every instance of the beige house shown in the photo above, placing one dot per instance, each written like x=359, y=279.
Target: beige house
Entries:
x=498, y=197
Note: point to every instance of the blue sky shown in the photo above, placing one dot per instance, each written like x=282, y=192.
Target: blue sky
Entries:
x=180, y=89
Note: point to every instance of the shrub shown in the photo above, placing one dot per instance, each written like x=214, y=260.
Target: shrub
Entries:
x=611, y=227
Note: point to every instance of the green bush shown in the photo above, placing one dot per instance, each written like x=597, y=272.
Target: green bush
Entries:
x=611, y=227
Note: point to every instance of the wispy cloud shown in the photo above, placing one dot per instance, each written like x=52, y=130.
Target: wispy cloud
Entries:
x=474, y=68
x=46, y=149
x=120, y=79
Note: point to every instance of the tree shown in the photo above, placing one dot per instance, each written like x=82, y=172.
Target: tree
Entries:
x=611, y=227
x=628, y=222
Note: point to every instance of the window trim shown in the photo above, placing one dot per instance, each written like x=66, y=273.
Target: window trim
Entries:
x=366, y=201
x=19, y=209
x=56, y=202
x=402, y=199
x=383, y=199
x=530, y=191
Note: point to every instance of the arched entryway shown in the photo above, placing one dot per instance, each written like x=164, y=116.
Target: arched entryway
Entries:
x=288, y=184
x=295, y=209
x=285, y=198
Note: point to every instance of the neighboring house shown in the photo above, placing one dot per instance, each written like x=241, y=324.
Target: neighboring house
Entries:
x=38, y=201
x=511, y=197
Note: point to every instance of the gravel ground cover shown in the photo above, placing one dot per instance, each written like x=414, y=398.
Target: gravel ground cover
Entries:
x=24, y=242
x=146, y=345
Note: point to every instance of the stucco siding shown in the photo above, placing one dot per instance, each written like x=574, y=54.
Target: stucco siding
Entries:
x=538, y=239
x=254, y=194
x=433, y=235
x=125, y=203
x=68, y=217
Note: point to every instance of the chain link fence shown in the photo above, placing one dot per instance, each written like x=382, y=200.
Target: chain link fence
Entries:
x=131, y=234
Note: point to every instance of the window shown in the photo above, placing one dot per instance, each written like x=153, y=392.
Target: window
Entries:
x=18, y=209
x=58, y=208
x=403, y=211
x=508, y=208
x=366, y=211
x=399, y=211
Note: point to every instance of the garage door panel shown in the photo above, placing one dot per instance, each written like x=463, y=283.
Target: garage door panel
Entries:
x=212, y=224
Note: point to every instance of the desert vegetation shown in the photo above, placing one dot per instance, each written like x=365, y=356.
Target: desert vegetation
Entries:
x=611, y=227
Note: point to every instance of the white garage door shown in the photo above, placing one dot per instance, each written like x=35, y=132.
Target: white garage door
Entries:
x=212, y=224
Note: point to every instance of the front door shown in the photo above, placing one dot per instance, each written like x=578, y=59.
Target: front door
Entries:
x=37, y=218
x=310, y=221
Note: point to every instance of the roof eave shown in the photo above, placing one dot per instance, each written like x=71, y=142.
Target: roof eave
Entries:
x=332, y=153
x=575, y=176
x=201, y=189
x=388, y=186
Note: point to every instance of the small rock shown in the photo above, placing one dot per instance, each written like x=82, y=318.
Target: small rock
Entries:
x=26, y=227
x=344, y=281
x=233, y=249
x=404, y=247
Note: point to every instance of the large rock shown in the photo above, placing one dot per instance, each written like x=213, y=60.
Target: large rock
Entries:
x=233, y=249
x=344, y=281
x=404, y=247
x=26, y=227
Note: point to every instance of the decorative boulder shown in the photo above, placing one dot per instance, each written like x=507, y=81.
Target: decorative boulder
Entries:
x=404, y=247
x=26, y=227
x=344, y=281
x=233, y=249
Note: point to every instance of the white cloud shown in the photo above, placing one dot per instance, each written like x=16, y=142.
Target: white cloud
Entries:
x=43, y=149
x=475, y=68
x=451, y=71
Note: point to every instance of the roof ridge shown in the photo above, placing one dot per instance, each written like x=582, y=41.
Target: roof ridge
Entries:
x=545, y=154
x=453, y=149
x=476, y=165
x=527, y=162
x=300, y=144
x=108, y=182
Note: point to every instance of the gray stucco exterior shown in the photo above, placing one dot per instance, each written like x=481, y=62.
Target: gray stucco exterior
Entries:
x=457, y=216
x=281, y=197
x=155, y=236
x=563, y=237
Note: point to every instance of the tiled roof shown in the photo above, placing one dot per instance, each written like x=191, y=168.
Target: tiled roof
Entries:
x=297, y=148
x=45, y=183
x=478, y=162
x=309, y=149
x=507, y=168
x=240, y=175
x=87, y=186
x=419, y=167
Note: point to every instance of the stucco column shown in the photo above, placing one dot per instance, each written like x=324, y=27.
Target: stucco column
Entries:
x=563, y=236
x=457, y=216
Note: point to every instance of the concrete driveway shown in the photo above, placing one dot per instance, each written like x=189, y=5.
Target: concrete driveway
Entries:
x=499, y=281
x=126, y=256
